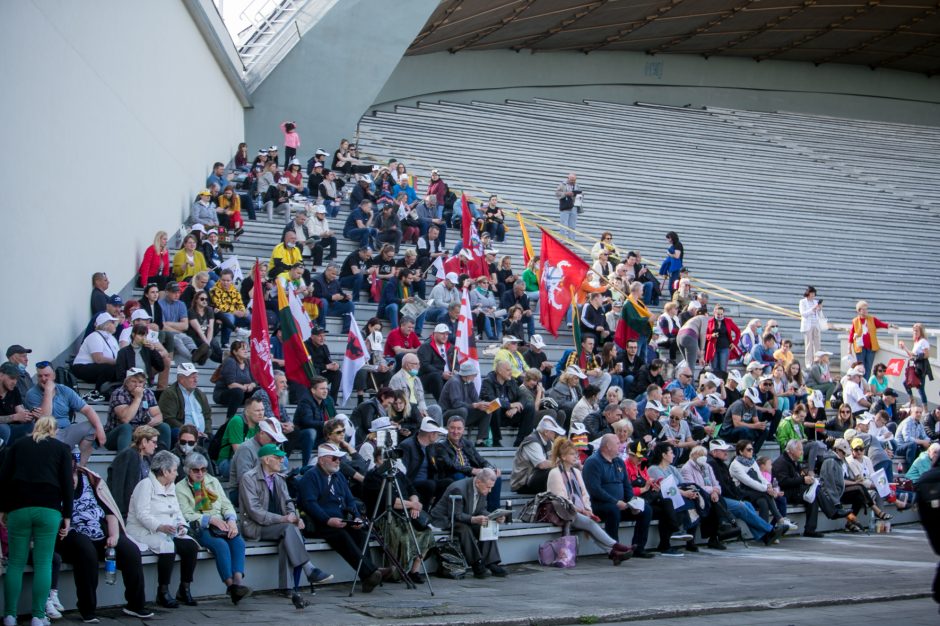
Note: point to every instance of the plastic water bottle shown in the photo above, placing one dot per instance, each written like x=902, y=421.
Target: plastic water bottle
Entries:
x=110, y=566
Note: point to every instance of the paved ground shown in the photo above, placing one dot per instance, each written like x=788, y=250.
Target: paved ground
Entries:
x=842, y=569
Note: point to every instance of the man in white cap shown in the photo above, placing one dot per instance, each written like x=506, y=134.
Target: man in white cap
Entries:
x=460, y=398
x=418, y=458
x=319, y=229
x=742, y=421
x=852, y=392
x=184, y=402
x=444, y=294
x=138, y=351
x=132, y=405
x=246, y=456
x=96, y=357
x=436, y=356
x=818, y=375
x=509, y=352
x=530, y=465
x=535, y=357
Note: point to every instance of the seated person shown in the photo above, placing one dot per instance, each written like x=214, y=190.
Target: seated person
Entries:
x=460, y=398
x=324, y=495
x=97, y=355
x=753, y=485
x=269, y=514
x=184, y=402
x=352, y=466
x=235, y=381
x=469, y=514
x=530, y=465
x=600, y=423
x=314, y=408
x=47, y=397
x=333, y=300
x=744, y=421
x=407, y=380
x=499, y=385
x=610, y=489
x=794, y=478
x=352, y=273
x=437, y=360
x=236, y=431
x=132, y=405
x=418, y=459
x=358, y=225
x=401, y=341
x=763, y=353
x=228, y=305
x=396, y=293
x=517, y=296
x=245, y=456
x=509, y=352
x=456, y=458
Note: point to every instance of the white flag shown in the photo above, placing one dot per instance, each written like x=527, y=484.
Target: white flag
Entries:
x=353, y=360
x=465, y=344
x=880, y=479
x=232, y=263
x=301, y=319
x=669, y=488
x=438, y=267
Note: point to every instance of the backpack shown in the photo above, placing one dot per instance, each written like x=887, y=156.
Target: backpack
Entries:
x=215, y=444
x=64, y=376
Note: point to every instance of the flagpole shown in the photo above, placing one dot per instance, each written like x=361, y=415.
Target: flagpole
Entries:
x=574, y=317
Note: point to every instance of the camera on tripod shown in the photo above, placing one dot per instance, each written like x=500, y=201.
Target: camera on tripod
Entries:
x=386, y=439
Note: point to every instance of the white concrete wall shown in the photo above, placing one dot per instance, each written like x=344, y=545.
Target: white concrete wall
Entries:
x=112, y=114
x=332, y=75
x=832, y=89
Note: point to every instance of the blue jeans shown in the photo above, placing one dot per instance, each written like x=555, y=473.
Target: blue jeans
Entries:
x=569, y=222
x=648, y=292
x=720, y=361
x=641, y=344
x=332, y=208
x=336, y=309
x=391, y=314
x=229, y=553
x=11, y=432
x=492, y=327
x=867, y=357
x=353, y=284
x=363, y=235
x=230, y=322
x=909, y=451
x=119, y=437
x=308, y=439
x=627, y=383
x=745, y=512
x=435, y=314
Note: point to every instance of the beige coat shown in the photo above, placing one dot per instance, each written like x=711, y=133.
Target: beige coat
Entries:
x=556, y=485
x=153, y=505
x=253, y=499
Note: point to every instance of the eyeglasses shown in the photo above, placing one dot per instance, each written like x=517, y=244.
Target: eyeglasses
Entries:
x=202, y=299
x=749, y=449
x=841, y=412
x=685, y=375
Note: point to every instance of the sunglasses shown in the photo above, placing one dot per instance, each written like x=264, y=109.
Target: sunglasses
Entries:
x=338, y=432
x=43, y=365
x=187, y=441
x=749, y=449
x=197, y=470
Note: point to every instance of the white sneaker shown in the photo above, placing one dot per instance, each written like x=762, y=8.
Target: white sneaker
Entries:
x=54, y=598
x=39, y=622
x=790, y=524
x=9, y=620
x=51, y=611
x=681, y=536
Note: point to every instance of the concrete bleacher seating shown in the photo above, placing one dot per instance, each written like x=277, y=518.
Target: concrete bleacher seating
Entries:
x=765, y=204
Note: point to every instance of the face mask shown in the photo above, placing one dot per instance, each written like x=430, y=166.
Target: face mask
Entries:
x=413, y=372
x=290, y=245
x=21, y=367
x=187, y=447
x=701, y=461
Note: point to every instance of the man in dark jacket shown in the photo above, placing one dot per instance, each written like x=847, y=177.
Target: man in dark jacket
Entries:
x=184, y=402
x=608, y=484
x=456, y=458
x=420, y=464
x=499, y=385
x=791, y=475
x=517, y=297
x=437, y=361
x=323, y=363
x=396, y=293
x=313, y=409
x=333, y=300
x=734, y=499
x=460, y=398
x=602, y=423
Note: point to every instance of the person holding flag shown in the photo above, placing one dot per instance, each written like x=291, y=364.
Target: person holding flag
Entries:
x=635, y=321
x=561, y=272
x=260, y=363
x=295, y=330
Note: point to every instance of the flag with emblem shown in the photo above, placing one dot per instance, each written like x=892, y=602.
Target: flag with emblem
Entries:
x=297, y=362
x=465, y=344
x=895, y=367
x=353, y=361
x=561, y=273
x=476, y=266
x=260, y=364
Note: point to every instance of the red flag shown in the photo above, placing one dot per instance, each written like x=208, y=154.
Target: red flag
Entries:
x=562, y=272
x=262, y=368
x=465, y=345
x=476, y=266
x=895, y=367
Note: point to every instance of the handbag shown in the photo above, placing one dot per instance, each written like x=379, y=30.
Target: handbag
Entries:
x=422, y=522
x=548, y=508
x=911, y=379
x=823, y=321
x=561, y=552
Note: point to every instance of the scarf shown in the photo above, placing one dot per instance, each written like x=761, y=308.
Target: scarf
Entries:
x=746, y=462
x=203, y=497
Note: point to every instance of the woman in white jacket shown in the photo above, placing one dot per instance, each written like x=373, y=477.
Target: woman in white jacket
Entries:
x=755, y=488
x=810, y=314
x=155, y=521
x=565, y=481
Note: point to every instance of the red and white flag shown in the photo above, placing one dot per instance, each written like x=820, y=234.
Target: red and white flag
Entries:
x=562, y=272
x=465, y=343
x=353, y=360
x=261, y=365
x=895, y=367
x=476, y=266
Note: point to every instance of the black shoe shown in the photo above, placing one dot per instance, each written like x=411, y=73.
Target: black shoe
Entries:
x=299, y=603
x=183, y=595
x=813, y=533
x=372, y=581
x=480, y=572
x=716, y=544
x=774, y=534
x=499, y=571
x=201, y=354
x=690, y=546
x=238, y=592
x=643, y=554
x=417, y=578
x=840, y=513
x=164, y=598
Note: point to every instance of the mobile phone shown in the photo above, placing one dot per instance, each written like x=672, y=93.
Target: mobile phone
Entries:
x=153, y=336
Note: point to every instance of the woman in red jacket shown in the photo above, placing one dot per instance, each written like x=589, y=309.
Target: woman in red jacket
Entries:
x=721, y=341
x=155, y=267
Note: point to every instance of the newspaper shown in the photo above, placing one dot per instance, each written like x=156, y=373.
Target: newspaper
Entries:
x=415, y=308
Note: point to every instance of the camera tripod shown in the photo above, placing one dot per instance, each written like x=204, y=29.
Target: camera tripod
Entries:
x=390, y=490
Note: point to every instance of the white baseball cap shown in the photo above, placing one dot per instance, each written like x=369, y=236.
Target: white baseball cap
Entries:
x=548, y=423
x=451, y=277
x=574, y=369
x=536, y=341
x=272, y=427
x=330, y=449
x=428, y=425
x=104, y=318
x=442, y=328
x=381, y=423
x=140, y=314
x=134, y=371
x=185, y=369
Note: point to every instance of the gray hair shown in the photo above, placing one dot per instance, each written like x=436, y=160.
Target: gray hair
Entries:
x=279, y=373
x=194, y=460
x=163, y=463
x=623, y=425
x=519, y=283
x=202, y=276
x=486, y=474
x=405, y=319
x=628, y=404
x=792, y=444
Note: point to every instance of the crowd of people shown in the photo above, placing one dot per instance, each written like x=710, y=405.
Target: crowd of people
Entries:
x=660, y=412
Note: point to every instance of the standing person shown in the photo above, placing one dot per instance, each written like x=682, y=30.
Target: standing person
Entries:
x=635, y=321
x=569, y=204
x=863, y=336
x=721, y=341
x=920, y=354
x=675, y=259
x=810, y=313
x=35, y=505
x=692, y=335
x=291, y=140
